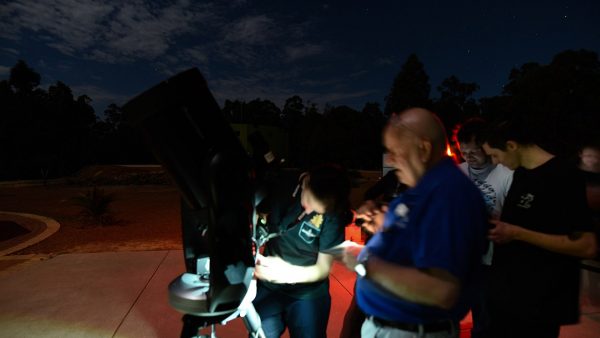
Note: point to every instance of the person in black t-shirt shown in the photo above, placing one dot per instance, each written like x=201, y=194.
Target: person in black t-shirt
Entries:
x=293, y=288
x=589, y=164
x=543, y=231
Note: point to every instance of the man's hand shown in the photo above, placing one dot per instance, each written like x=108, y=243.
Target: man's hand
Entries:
x=372, y=214
x=503, y=232
x=350, y=256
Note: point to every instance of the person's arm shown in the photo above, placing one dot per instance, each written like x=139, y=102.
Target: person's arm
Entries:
x=275, y=270
x=580, y=244
x=433, y=287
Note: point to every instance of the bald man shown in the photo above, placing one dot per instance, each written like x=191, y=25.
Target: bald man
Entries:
x=416, y=273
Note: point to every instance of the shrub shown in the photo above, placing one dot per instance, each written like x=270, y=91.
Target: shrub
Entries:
x=95, y=204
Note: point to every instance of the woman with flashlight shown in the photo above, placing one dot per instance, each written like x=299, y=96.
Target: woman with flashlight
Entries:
x=293, y=288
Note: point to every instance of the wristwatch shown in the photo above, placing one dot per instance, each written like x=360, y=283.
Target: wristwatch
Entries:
x=361, y=267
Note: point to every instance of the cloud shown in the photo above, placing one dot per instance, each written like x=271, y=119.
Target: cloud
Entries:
x=97, y=93
x=4, y=70
x=101, y=97
x=252, y=55
x=339, y=96
x=358, y=74
x=137, y=29
x=251, y=30
x=249, y=42
x=237, y=3
x=294, y=53
x=74, y=24
x=386, y=61
x=196, y=54
x=181, y=31
x=10, y=51
x=110, y=31
x=320, y=83
x=277, y=89
x=246, y=88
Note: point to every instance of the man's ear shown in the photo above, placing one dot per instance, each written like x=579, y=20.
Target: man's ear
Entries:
x=425, y=151
x=511, y=145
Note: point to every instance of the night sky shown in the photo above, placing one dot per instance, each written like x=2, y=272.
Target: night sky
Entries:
x=336, y=52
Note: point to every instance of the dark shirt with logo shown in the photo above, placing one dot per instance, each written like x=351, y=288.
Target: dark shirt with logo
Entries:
x=301, y=239
x=527, y=281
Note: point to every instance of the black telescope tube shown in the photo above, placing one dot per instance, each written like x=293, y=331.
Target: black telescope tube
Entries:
x=189, y=136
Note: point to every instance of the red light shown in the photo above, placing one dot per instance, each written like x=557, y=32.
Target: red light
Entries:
x=451, y=154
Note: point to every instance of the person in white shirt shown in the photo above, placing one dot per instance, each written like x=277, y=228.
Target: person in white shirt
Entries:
x=493, y=180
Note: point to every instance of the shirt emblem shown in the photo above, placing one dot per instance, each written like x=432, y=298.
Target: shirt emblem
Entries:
x=526, y=201
x=401, y=210
x=308, y=232
x=317, y=220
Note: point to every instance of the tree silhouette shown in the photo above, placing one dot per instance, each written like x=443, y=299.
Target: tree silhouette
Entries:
x=23, y=78
x=44, y=133
x=561, y=100
x=51, y=133
x=296, y=123
x=456, y=102
x=116, y=142
x=292, y=109
x=113, y=116
x=263, y=112
x=371, y=128
x=410, y=88
x=233, y=111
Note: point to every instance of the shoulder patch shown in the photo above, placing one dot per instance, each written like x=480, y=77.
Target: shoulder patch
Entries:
x=317, y=220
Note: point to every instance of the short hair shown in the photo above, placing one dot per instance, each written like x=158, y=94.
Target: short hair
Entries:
x=473, y=129
x=516, y=130
x=330, y=184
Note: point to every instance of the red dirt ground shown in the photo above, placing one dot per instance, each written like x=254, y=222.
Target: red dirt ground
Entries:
x=147, y=214
x=147, y=218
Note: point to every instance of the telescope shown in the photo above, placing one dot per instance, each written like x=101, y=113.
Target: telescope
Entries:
x=185, y=129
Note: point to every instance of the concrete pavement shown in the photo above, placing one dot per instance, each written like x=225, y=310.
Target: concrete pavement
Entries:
x=112, y=295
x=124, y=294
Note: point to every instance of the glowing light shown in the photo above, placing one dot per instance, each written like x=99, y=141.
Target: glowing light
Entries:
x=451, y=154
x=449, y=151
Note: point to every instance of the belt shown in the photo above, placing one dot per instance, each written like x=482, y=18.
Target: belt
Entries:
x=445, y=325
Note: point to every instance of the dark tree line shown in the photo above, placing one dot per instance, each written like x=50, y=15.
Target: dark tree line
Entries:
x=47, y=134
x=560, y=100
x=51, y=133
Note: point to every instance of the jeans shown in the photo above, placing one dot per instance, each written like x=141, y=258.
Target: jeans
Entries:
x=479, y=310
x=353, y=320
x=304, y=318
x=370, y=329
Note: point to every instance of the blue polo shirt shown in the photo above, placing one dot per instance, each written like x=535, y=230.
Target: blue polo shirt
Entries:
x=440, y=223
